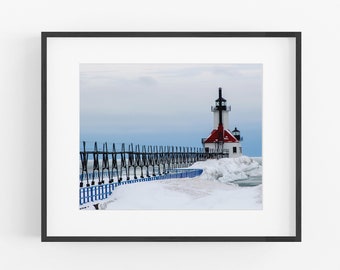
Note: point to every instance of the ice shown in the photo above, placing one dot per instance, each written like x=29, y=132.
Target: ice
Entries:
x=230, y=169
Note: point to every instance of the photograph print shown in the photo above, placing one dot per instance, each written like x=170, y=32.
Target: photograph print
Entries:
x=170, y=136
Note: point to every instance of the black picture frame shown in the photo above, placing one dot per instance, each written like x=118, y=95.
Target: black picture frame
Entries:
x=44, y=181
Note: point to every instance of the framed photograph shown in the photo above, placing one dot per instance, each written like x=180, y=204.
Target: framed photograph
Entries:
x=171, y=136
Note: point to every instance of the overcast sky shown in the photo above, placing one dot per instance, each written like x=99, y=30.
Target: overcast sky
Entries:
x=168, y=104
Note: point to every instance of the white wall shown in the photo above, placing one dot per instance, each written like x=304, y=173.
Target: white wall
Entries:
x=20, y=25
x=227, y=146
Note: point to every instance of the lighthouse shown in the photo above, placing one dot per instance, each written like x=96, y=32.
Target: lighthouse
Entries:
x=221, y=139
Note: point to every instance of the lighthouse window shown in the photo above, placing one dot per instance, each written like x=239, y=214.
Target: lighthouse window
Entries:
x=234, y=149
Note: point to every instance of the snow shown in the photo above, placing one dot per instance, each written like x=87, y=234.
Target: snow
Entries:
x=214, y=189
x=230, y=169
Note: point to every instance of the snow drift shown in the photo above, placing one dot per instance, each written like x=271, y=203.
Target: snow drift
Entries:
x=230, y=169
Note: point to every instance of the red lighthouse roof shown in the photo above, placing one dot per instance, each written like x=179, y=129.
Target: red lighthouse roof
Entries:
x=227, y=136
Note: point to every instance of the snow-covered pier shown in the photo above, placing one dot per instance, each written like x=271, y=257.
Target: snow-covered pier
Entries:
x=227, y=183
x=101, y=192
x=103, y=171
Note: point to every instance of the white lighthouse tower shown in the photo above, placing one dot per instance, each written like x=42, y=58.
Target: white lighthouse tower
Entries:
x=221, y=140
x=221, y=106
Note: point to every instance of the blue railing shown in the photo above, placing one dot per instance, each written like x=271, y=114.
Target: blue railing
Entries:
x=101, y=192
